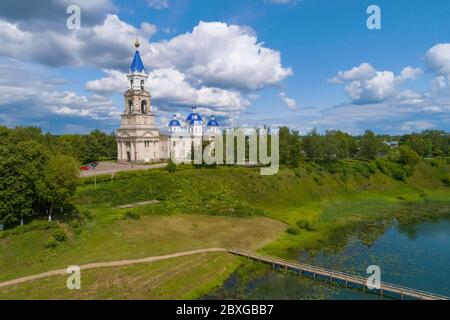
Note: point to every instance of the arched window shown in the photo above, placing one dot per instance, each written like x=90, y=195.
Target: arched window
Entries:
x=144, y=106
x=142, y=84
x=130, y=106
x=131, y=83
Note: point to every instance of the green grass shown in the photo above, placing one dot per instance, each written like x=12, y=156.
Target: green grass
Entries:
x=222, y=207
x=178, y=278
x=26, y=253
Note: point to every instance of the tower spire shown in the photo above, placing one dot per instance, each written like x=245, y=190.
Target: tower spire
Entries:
x=137, y=43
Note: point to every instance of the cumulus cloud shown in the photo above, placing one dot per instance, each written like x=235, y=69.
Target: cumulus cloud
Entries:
x=158, y=4
x=214, y=54
x=365, y=85
x=438, y=58
x=216, y=65
x=33, y=15
x=220, y=55
x=291, y=2
x=25, y=99
x=289, y=102
x=171, y=87
x=362, y=72
x=105, y=45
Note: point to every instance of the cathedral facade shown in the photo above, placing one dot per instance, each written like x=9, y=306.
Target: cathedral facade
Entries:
x=139, y=140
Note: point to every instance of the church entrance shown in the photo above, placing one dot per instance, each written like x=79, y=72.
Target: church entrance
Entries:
x=128, y=156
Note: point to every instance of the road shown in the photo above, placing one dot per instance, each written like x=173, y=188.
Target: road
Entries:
x=112, y=168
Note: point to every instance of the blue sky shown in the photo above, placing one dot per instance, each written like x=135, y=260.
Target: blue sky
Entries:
x=305, y=64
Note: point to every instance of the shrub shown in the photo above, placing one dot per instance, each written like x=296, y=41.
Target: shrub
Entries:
x=132, y=215
x=293, y=230
x=87, y=214
x=408, y=156
x=51, y=243
x=171, y=166
x=305, y=225
x=75, y=224
x=392, y=169
x=446, y=181
x=317, y=180
x=59, y=235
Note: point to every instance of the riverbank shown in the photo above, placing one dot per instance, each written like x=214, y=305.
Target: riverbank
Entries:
x=301, y=208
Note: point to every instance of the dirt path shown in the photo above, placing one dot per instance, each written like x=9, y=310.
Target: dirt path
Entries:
x=108, y=264
x=112, y=168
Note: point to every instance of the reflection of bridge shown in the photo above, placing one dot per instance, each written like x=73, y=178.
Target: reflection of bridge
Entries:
x=348, y=280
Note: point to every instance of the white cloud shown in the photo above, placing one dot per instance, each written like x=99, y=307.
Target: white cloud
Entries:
x=365, y=85
x=362, y=72
x=220, y=55
x=289, y=102
x=438, y=59
x=215, y=65
x=158, y=4
x=291, y=2
x=409, y=73
x=170, y=86
x=23, y=95
x=114, y=82
x=106, y=45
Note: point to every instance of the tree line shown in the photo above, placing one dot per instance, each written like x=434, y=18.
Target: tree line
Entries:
x=336, y=145
x=39, y=172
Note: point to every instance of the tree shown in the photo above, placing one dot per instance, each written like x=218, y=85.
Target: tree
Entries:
x=408, y=156
x=423, y=146
x=290, y=147
x=59, y=183
x=338, y=145
x=21, y=169
x=313, y=145
x=370, y=146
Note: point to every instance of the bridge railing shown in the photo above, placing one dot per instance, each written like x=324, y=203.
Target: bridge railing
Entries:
x=335, y=274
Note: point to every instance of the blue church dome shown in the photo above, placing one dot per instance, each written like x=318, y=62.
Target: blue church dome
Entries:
x=137, y=65
x=213, y=122
x=194, y=116
x=174, y=122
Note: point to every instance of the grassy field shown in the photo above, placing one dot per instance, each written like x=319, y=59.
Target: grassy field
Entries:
x=306, y=207
x=177, y=278
x=26, y=253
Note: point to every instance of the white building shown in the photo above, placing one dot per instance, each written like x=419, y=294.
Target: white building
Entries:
x=138, y=138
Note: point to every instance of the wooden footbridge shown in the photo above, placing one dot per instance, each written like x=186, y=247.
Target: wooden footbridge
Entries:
x=341, y=278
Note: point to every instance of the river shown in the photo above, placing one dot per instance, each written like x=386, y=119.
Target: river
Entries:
x=416, y=256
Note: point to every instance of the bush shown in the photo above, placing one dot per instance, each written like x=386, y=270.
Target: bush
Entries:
x=51, y=243
x=171, y=166
x=59, y=235
x=87, y=215
x=317, y=180
x=293, y=230
x=408, y=156
x=446, y=181
x=305, y=225
x=75, y=224
x=132, y=215
x=392, y=169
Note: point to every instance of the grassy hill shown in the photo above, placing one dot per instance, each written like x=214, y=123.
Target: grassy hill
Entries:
x=306, y=207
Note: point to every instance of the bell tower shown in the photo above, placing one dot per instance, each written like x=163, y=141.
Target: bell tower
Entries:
x=137, y=97
x=138, y=137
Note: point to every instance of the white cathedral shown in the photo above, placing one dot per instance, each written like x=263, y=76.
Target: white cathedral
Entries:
x=138, y=138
